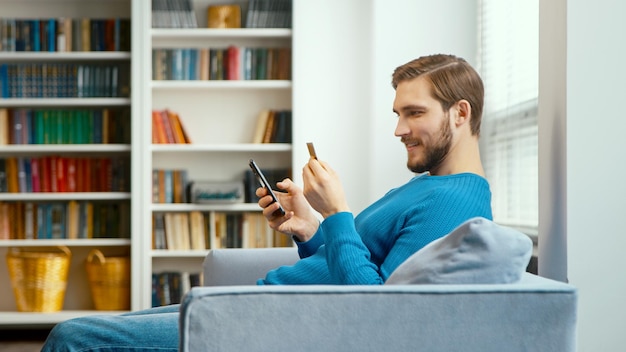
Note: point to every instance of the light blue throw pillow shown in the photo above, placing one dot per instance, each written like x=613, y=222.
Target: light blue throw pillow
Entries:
x=478, y=251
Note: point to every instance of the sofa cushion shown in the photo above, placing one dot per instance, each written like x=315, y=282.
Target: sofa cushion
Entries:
x=478, y=251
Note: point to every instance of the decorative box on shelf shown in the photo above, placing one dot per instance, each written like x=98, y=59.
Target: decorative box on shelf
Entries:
x=205, y=192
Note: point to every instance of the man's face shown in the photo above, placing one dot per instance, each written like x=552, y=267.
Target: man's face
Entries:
x=423, y=126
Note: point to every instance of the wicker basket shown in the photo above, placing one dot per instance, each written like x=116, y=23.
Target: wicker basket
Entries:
x=39, y=277
x=109, y=280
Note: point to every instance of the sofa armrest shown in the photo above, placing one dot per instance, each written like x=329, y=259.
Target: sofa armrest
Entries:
x=236, y=266
x=536, y=315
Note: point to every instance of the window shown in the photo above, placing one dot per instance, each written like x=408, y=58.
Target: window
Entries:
x=508, y=63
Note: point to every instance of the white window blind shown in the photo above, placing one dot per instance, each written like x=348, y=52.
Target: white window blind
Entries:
x=508, y=64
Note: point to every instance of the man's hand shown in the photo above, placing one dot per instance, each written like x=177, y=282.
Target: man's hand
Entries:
x=299, y=220
x=323, y=188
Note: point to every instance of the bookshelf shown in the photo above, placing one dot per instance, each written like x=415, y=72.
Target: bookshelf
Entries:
x=53, y=92
x=219, y=116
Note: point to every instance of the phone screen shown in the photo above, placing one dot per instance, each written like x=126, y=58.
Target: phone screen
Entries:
x=264, y=183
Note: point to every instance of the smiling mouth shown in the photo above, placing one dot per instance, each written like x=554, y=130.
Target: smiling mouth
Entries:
x=410, y=145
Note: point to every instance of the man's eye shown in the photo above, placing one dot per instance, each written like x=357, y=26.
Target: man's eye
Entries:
x=415, y=113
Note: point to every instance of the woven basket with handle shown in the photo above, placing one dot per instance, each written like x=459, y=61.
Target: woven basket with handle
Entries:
x=109, y=280
x=39, y=277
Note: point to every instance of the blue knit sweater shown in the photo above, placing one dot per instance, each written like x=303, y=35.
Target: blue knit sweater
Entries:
x=365, y=250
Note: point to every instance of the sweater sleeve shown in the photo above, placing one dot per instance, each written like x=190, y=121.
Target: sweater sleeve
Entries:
x=347, y=256
x=308, y=248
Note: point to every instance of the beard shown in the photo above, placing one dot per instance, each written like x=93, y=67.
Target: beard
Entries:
x=434, y=154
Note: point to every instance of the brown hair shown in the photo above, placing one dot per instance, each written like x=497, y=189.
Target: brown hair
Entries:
x=452, y=79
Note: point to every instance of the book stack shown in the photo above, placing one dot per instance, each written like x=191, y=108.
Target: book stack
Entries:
x=61, y=80
x=55, y=173
x=64, y=220
x=173, y=14
x=269, y=14
x=230, y=63
x=273, y=126
x=65, y=34
x=169, y=287
x=167, y=128
x=52, y=126
x=245, y=230
x=180, y=231
x=170, y=186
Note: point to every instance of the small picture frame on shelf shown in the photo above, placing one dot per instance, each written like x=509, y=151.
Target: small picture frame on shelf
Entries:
x=205, y=192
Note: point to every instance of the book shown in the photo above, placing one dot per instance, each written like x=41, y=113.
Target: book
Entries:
x=12, y=175
x=270, y=126
x=261, y=125
x=35, y=177
x=73, y=219
x=182, y=225
x=180, y=136
x=56, y=215
x=21, y=175
x=86, y=220
x=171, y=237
x=158, y=129
x=167, y=127
x=5, y=229
x=158, y=231
x=197, y=230
x=3, y=176
x=4, y=124
x=282, y=130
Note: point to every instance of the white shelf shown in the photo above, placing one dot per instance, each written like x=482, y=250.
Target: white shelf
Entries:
x=242, y=147
x=64, y=196
x=186, y=207
x=214, y=33
x=86, y=242
x=224, y=84
x=63, y=102
x=30, y=319
x=178, y=254
x=21, y=56
x=64, y=148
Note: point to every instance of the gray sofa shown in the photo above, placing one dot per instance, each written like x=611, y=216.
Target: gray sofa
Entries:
x=530, y=313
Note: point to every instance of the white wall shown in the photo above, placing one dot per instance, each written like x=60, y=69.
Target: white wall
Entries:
x=583, y=194
x=403, y=31
x=331, y=55
x=346, y=52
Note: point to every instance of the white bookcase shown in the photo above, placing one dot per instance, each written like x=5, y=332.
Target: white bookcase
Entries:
x=78, y=301
x=342, y=57
x=220, y=118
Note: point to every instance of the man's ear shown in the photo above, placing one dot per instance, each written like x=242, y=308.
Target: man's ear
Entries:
x=463, y=112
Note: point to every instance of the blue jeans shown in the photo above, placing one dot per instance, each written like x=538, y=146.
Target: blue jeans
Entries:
x=154, y=329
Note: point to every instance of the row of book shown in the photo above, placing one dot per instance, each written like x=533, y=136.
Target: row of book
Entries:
x=62, y=80
x=170, y=186
x=173, y=14
x=273, y=126
x=167, y=128
x=59, y=126
x=65, y=34
x=196, y=230
x=64, y=220
x=229, y=63
x=169, y=287
x=64, y=174
x=269, y=14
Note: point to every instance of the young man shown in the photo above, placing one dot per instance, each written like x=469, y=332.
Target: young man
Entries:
x=439, y=102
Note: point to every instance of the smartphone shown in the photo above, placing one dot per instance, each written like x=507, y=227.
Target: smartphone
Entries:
x=257, y=171
x=311, y=150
